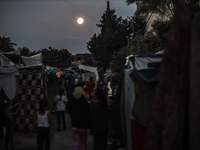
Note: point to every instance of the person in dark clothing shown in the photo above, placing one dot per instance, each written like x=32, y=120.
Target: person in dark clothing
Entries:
x=8, y=122
x=81, y=83
x=79, y=111
x=100, y=120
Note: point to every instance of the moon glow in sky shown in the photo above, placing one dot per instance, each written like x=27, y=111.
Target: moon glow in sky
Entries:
x=80, y=20
x=54, y=23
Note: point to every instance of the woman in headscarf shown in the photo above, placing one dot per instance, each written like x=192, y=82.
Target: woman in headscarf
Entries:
x=79, y=111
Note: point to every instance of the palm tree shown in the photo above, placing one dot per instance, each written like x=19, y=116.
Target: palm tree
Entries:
x=6, y=45
x=163, y=7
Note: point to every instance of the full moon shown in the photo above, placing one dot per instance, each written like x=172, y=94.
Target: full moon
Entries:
x=80, y=20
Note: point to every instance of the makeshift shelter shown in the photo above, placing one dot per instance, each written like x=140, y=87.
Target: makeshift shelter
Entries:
x=8, y=77
x=31, y=89
x=175, y=115
x=28, y=86
x=88, y=71
x=143, y=61
x=35, y=60
x=141, y=74
x=14, y=56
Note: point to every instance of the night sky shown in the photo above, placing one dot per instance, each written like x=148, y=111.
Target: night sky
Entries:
x=38, y=24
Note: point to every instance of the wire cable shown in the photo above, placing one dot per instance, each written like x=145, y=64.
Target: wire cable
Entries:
x=80, y=10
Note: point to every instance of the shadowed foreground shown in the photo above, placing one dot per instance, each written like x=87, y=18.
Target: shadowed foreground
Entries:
x=60, y=141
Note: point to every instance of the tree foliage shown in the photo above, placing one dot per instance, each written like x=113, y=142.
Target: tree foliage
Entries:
x=161, y=29
x=118, y=59
x=25, y=51
x=149, y=43
x=138, y=25
x=112, y=38
x=56, y=58
x=6, y=45
x=89, y=61
x=52, y=57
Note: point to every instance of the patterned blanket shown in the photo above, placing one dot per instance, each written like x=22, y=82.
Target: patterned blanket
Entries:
x=30, y=91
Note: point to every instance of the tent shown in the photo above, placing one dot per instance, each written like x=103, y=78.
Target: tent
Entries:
x=90, y=69
x=26, y=83
x=141, y=69
x=8, y=77
x=142, y=61
x=35, y=60
x=85, y=69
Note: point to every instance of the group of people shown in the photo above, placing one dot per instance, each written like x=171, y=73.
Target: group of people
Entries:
x=87, y=108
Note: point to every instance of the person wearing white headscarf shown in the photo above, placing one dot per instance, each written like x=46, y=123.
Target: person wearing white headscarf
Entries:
x=79, y=111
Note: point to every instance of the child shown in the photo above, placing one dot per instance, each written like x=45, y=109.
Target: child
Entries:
x=44, y=125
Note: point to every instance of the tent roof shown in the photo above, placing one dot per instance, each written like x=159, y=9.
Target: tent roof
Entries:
x=91, y=69
x=32, y=60
x=8, y=71
x=14, y=56
x=142, y=61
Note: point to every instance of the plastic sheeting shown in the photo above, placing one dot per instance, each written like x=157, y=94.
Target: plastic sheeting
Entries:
x=142, y=61
x=33, y=60
x=129, y=100
x=8, y=73
x=91, y=69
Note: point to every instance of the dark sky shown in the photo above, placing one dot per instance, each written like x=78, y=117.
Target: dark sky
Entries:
x=38, y=24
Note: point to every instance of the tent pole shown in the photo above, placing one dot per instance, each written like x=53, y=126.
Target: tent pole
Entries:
x=19, y=57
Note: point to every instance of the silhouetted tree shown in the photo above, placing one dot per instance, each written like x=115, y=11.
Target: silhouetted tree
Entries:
x=113, y=36
x=151, y=43
x=6, y=45
x=25, y=51
x=56, y=58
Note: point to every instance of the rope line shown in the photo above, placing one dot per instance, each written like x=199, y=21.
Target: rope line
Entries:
x=80, y=10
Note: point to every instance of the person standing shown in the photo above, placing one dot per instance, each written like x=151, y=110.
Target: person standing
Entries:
x=8, y=121
x=90, y=85
x=44, y=125
x=79, y=111
x=60, y=102
x=100, y=119
x=81, y=83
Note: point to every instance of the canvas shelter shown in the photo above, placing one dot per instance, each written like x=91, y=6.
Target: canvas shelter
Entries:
x=143, y=61
x=26, y=83
x=31, y=88
x=143, y=70
x=90, y=69
x=8, y=77
x=86, y=71
x=35, y=60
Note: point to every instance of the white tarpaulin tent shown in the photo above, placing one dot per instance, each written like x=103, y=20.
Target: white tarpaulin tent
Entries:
x=33, y=60
x=8, y=73
x=91, y=69
x=141, y=61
